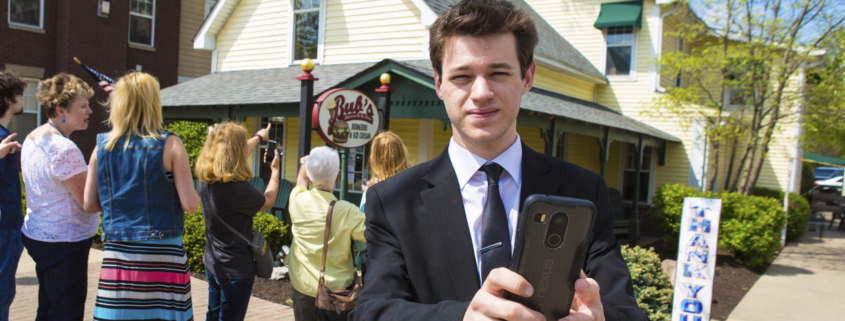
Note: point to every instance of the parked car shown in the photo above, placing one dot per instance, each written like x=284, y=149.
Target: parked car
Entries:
x=825, y=173
x=831, y=185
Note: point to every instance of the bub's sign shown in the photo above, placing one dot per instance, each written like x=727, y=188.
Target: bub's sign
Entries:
x=346, y=118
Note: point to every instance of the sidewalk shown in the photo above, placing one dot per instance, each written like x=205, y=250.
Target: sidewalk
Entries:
x=26, y=301
x=803, y=283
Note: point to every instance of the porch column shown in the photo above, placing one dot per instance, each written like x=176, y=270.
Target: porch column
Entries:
x=604, y=150
x=634, y=232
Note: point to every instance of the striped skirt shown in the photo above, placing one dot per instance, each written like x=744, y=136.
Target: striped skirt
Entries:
x=146, y=280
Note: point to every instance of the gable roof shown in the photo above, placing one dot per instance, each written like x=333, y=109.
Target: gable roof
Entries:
x=552, y=45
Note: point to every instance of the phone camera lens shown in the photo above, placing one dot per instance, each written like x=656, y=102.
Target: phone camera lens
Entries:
x=554, y=240
x=558, y=221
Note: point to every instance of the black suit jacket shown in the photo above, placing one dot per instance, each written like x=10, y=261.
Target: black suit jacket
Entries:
x=420, y=261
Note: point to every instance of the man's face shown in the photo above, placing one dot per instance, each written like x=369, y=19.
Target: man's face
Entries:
x=16, y=106
x=482, y=87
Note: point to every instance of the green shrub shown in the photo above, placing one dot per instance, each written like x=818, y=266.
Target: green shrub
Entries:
x=193, y=136
x=651, y=284
x=808, y=180
x=797, y=215
x=668, y=203
x=194, y=238
x=750, y=226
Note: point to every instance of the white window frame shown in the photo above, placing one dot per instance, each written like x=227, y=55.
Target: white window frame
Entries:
x=37, y=111
x=40, y=19
x=153, y=31
x=632, y=76
x=652, y=173
x=321, y=33
x=364, y=171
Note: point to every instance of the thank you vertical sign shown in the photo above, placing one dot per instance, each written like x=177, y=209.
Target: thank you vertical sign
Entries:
x=696, y=259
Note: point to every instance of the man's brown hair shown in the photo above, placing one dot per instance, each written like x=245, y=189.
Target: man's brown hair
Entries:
x=10, y=87
x=480, y=18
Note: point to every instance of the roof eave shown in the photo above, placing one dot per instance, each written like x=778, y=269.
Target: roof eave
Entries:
x=206, y=37
x=554, y=64
x=427, y=15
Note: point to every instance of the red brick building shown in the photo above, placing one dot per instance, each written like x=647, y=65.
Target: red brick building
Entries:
x=39, y=38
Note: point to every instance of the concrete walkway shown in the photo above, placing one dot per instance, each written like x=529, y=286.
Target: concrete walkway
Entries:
x=25, y=304
x=803, y=283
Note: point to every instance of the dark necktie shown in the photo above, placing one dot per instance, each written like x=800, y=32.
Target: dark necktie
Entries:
x=495, y=237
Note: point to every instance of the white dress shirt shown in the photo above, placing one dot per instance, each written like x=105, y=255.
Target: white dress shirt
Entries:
x=473, y=183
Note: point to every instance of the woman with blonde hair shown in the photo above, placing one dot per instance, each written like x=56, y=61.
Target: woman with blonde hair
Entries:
x=228, y=199
x=140, y=178
x=57, y=231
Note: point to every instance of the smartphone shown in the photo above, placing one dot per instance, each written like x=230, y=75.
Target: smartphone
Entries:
x=271, y=151
x=553, y=234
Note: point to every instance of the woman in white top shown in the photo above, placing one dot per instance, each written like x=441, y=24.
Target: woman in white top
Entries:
x=57, y=232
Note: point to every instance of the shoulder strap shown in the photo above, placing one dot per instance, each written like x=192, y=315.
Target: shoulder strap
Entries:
x=214, y=212
x=326, y=237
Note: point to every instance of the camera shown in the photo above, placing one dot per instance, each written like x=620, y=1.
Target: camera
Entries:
x=557, y=230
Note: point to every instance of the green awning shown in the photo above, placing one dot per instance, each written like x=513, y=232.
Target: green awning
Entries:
x=821, y=159
x=620, y=14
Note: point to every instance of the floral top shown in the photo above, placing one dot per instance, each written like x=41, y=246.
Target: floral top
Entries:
x=52, y=215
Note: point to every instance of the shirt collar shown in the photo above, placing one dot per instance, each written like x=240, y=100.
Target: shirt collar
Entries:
x=467, y=164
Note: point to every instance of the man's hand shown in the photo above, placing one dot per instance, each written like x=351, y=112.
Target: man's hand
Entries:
x=8, y=146
x=488, y=304
x=586, y=305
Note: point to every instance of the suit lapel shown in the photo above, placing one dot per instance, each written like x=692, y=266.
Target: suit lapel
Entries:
x=445, y=209
x=534, y=178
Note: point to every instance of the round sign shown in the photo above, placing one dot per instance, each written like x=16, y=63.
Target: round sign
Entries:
x=346, y=118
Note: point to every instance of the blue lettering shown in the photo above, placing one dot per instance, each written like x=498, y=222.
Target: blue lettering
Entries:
x=694, y=224
x=692, y=291
x=692, y=306
x=693, y=270
x=701, y=257
x=698, y=241
x=699, y=211
x=694, y=317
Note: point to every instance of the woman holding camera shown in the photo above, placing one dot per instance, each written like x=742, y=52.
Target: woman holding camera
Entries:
x=139, y=176
x=228, y=198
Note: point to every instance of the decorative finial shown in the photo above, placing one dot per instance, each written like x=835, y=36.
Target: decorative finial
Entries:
x=307, y=64
x=77, y=60
x=385, y=79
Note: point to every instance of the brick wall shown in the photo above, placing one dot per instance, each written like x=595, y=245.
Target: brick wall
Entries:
x=73, y=29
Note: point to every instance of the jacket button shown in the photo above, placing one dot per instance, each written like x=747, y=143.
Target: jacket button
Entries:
x=161, y=235
x=153, y=235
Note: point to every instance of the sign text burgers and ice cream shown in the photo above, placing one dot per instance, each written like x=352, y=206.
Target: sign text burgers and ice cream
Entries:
x=346, y=118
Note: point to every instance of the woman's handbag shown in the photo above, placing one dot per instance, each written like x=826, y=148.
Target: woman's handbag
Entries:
x=340, y=301
x=260, y=249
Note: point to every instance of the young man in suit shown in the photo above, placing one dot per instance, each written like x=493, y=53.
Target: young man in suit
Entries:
x=439, y=239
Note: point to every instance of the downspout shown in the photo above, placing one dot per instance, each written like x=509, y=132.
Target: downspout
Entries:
x=656, y=81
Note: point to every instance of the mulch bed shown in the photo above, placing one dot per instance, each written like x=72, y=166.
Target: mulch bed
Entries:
x=731, y=282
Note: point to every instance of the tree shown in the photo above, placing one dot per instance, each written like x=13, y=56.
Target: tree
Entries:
x=743, y=76
x=824, y=122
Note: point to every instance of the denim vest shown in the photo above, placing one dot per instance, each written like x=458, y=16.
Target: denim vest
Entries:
x=139, y=200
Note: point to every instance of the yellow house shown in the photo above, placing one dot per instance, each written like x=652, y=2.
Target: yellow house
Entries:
x=257, y=46
x=624, y=39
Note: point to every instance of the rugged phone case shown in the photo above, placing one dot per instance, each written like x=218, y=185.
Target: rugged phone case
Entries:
x=552, y=271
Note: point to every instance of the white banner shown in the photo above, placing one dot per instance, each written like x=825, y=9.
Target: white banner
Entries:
x=696, y=259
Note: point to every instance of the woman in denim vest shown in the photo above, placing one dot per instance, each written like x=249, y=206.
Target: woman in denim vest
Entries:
x=140, y=178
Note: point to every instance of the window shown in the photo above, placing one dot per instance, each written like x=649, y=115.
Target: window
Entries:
x=307, y=24
x=561, y=147
x=31, y=117
x=357, y=170
x=28, y=13
x=277, y=133
x=678, y=78
x=620, y=51
x=142, y=22
x=629, y=173
x=209, y=4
